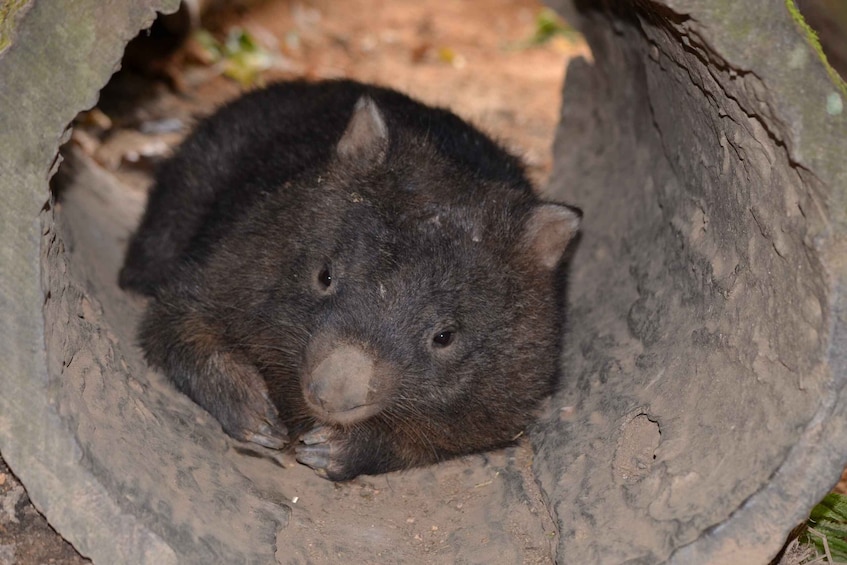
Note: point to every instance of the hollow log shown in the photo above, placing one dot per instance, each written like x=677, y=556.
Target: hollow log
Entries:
x=702, y=410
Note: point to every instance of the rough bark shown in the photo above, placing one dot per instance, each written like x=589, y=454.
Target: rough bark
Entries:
x=702, y=415
x=53, y=60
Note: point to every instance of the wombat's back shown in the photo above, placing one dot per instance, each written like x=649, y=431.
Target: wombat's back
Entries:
x=252, y=146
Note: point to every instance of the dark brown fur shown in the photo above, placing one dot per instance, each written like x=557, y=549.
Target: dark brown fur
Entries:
x=368, y=273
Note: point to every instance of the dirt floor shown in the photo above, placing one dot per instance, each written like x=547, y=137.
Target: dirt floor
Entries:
x=479, y=58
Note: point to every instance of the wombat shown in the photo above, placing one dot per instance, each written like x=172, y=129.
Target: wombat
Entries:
x=337, y=263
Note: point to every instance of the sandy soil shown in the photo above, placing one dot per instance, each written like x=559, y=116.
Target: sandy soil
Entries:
x=472, y=57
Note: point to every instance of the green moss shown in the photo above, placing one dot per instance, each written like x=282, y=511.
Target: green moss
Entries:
x=814, y=42
x=9, y=10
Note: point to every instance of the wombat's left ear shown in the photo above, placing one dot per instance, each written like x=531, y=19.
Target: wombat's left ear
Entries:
x=366, y=138
x=548, y=230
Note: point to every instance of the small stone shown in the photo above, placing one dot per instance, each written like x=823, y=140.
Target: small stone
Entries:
x=834, y=104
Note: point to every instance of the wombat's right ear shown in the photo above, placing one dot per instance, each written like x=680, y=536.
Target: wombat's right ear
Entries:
x=548, y=230
x=366, y=138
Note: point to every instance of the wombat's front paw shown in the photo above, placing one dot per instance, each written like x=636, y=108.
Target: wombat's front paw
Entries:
x=324, y=449
x=236, y=394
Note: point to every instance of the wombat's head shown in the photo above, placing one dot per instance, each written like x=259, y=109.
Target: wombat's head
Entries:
x=431, y=292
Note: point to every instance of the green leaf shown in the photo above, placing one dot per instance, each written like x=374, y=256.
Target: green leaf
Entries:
x=829, y=518
x=548, y=25
x=209, y=44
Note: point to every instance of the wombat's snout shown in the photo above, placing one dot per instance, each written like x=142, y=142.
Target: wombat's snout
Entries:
x=342, y=385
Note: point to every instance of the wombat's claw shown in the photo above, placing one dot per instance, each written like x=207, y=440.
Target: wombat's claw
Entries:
x=315, y=456
x=315, y=450
x=268, y=436
x=319, y=434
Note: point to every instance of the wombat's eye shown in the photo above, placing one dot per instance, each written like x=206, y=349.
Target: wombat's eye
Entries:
x=325, y=277
x=443, y=339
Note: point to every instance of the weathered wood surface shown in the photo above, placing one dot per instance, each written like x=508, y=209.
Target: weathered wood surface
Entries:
x=707, y=349
x=706, y=144
x=56, y=58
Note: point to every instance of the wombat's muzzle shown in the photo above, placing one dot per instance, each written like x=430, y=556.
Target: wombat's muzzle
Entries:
x=342, y=383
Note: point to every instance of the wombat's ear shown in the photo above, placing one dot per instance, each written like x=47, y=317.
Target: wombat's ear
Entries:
x=366, y=138
x=548, y=231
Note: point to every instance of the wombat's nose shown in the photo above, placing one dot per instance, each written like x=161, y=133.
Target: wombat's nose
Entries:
x=340, y=384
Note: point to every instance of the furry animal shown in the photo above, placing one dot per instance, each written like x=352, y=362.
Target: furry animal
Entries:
x=341, y=265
